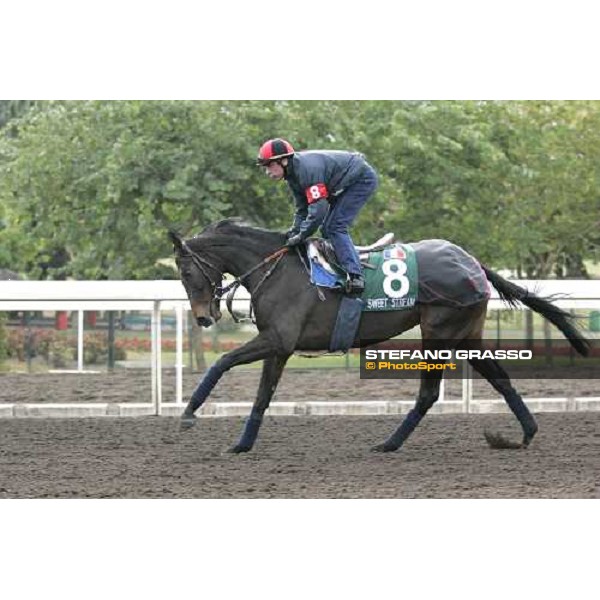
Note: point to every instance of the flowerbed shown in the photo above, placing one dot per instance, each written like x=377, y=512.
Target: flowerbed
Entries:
x=58, y=348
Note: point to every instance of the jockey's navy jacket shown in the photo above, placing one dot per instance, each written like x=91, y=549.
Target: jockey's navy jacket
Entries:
x=316, y=178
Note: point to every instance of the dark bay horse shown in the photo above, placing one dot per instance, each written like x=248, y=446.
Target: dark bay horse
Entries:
x=291, y=316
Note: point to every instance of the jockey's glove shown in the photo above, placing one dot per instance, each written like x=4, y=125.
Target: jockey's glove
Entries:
x=294, y=240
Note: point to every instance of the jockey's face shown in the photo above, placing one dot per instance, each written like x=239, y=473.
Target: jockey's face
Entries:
x=275, y=169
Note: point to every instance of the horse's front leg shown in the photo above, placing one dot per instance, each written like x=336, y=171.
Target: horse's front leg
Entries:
x=271, y=373
x=256, y=349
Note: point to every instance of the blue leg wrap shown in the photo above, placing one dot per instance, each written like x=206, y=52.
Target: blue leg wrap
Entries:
x=204, y=388
x=253, y=423
x=412, y=419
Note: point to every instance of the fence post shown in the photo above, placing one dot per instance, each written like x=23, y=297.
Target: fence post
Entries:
x=111, y=340
x=179, y=355
x=80, y=341
x=156, y=360
x=467, y=388
x=498, y=330
x=28, y=339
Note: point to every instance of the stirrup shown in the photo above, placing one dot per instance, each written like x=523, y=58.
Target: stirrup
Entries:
x=355, y=285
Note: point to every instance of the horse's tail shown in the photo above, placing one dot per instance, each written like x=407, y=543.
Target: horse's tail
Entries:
x=512, y=294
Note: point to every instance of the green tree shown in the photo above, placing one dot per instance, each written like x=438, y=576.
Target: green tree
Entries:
x=88, y=189
x=552, y=189
x=12, y=109
x=102, y=181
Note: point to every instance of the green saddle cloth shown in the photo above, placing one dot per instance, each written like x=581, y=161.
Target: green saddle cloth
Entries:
x=393, y=282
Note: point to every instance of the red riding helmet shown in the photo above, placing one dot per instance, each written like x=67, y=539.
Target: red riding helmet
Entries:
x=274, y=150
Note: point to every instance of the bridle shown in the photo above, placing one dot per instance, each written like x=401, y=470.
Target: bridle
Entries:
x=218, y=291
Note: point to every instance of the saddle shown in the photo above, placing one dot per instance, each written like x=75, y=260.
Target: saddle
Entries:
x=325, y=271
x=321, y=252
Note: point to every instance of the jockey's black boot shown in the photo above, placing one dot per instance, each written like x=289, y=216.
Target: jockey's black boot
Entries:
x=355, y=284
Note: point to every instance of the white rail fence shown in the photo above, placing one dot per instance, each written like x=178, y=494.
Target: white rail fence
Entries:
x=168, y=295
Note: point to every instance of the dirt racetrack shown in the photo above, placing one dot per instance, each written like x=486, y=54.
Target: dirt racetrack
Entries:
x=134, y=385
x=295, y=457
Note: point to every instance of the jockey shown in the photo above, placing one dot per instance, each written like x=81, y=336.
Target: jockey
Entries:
x=329, y=188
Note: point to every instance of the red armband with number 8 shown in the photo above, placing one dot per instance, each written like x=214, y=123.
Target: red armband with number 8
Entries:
x=316, y=192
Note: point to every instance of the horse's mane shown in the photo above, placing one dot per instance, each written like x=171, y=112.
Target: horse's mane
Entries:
x=237, y=229
x=233, y=223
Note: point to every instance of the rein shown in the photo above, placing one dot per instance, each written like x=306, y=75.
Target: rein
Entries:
x=219, y=291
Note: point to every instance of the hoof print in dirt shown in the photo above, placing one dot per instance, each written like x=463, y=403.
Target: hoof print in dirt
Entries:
x=498, y=442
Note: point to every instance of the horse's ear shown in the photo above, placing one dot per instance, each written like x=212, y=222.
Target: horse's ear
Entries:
x=177, y=240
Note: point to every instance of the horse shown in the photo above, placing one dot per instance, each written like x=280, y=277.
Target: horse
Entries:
x=292, y=315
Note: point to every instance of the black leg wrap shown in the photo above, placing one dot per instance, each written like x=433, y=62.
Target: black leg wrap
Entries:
x=250, y=434
x=528, y=423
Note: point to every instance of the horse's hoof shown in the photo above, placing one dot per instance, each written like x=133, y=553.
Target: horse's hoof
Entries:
x=527, y=440
x=527, y=437
x=187, y=422
x=237, y=449
x=383, y=448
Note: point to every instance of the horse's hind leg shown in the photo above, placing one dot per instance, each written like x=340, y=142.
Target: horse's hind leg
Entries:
x=271, y=373
x=499, y=379
x=440, y=327
x=429, y=392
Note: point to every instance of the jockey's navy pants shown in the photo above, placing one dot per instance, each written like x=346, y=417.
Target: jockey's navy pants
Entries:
x=343, y=211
